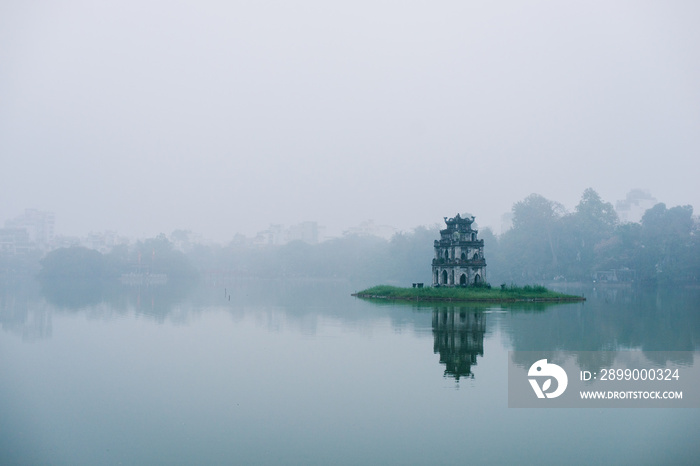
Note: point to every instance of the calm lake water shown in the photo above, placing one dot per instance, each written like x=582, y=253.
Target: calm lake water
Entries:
x=300, y=372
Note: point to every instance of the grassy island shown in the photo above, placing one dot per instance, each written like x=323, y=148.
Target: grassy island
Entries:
x=528, y=293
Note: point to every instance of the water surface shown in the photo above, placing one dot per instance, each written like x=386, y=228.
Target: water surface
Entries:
x=300, y=372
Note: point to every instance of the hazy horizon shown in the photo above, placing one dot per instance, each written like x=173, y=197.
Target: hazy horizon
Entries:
x=370, y=226
x=224, y=118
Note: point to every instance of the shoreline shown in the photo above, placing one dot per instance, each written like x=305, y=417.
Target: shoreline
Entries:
x=485, y=294
x=572, y=299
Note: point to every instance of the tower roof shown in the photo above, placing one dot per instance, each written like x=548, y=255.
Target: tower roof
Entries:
x=459, y=220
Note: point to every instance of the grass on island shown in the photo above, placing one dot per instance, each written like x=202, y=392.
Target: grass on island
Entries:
x=479, y=293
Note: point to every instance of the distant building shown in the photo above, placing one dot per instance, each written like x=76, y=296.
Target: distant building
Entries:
x=459, y=254
x=370, y=228
x=278, y=235
x=32, y=230
x=273, y=236
x=14, y=241
x=632, y=208
x=615, y=276
x=104, y=242
x=304, y=231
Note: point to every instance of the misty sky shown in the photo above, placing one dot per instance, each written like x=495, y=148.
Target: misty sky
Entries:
x=223, y=117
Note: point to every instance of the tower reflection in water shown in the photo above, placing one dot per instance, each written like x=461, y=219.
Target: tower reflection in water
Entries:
x=458, y=336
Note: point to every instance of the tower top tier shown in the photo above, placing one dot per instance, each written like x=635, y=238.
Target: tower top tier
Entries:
x=458, y=224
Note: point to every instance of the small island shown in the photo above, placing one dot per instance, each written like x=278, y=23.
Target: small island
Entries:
x=484, y=294
x=459, y=274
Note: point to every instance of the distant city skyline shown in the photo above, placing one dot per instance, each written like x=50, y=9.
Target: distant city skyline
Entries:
x=42, y=223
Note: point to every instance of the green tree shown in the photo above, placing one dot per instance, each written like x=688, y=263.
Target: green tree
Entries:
x=497, y=266
x=77, y=276
x=622, y=249
x=76, y=263
x=158, y=255
x=531, y=245
x=410, y=255
x=667, y=244
x=592, y=223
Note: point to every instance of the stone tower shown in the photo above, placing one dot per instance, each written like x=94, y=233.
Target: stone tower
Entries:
x=459, y=255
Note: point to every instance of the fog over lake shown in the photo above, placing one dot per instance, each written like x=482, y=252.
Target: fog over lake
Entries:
x=225, y=117
x=300, y=372
x=192, y=194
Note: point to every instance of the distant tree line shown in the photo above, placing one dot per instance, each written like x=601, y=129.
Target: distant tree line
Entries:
x=150, y=256
x=545, y=243
x=362, y=259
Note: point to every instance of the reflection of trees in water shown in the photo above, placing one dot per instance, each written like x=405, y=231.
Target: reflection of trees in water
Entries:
x=77, y=294
x=98, y=298
x=27, y=308
x=21, y=313
x=152, y=299
x=458, y=336
x=157, y=301
x=613, y=319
